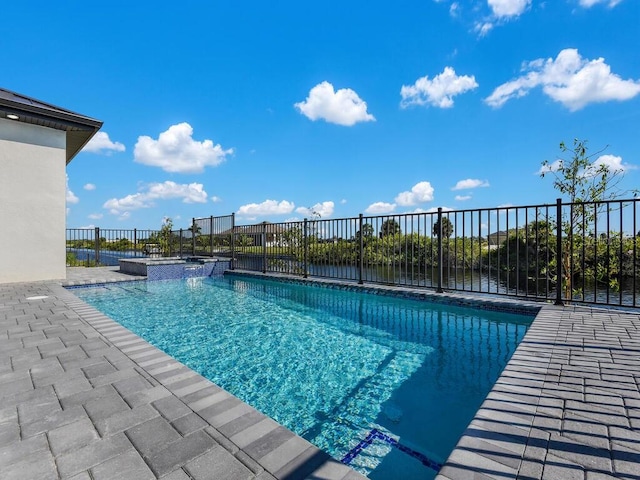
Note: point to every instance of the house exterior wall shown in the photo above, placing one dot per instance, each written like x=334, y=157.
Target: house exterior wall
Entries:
x=32, y=202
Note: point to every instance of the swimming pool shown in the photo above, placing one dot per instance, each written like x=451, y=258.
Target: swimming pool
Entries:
x=384, y=384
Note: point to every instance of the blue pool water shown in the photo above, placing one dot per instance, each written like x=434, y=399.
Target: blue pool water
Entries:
x=384, y=384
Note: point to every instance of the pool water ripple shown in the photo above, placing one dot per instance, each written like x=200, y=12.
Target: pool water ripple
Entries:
x=332, y=366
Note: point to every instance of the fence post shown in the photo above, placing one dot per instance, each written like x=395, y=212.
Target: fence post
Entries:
x=361, y=253
x=193, y=236
x=97, y=246
x=135, y=242
x=232, y=265
x=211, y=234
x=305, y=245
x=180, y=245
x=559, y=252
x=440, y=254
x=264, y=247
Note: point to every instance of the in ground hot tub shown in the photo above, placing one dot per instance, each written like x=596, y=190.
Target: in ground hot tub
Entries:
x=171, y=268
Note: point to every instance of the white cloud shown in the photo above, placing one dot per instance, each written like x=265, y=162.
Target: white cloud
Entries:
x=95, y=216
x=569, y=79
x=462, y=198
x=268, y=207
x=189, y=193
x=483, y=28
x=216, y=199
x=613, y=163
x=379, y=208
x=420, y=193
x=343, y=201
x=71, y=198
x=508, y=8
x=551, y=167
x=591, y=3
x=342, y=107
x=438, y=92
x=470, y=183
x=88, y=227
x=176, y=151
x=324, y=209
x=101, y=143
x=89, y=186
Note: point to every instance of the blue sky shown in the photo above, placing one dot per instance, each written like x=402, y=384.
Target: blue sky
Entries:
x=273, y=109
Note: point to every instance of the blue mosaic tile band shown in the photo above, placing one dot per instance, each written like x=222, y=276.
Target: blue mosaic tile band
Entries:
x=459, y=300
x=376, y=434
x=177, y=271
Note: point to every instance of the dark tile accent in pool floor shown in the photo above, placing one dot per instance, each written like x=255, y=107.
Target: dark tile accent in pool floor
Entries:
x=376, y=434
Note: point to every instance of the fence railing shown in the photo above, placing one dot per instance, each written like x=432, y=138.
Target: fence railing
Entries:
x=95, y=246
x=563, y=252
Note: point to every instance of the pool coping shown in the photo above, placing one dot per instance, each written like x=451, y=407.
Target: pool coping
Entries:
x=567, y=405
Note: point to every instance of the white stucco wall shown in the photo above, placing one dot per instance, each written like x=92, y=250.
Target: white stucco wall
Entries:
x=32, y=202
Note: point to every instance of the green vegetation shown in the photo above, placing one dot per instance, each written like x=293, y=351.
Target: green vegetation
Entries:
x=587, y=183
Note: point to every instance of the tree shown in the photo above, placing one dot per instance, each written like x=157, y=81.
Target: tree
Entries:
x=195, y=229
x=367, y=233
x=447, y=228
x=585, y=180
x=166, y=236
x=389, y=227
x=581, y=177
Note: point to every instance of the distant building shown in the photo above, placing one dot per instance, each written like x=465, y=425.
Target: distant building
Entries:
x=264, y=234
x=37, y=141
x=494, y=240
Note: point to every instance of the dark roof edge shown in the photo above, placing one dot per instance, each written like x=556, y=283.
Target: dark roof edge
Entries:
x=79, y=128
x=32, y=105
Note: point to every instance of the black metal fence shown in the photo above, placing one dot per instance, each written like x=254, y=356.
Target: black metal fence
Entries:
x=563, y=252
x=95, y=246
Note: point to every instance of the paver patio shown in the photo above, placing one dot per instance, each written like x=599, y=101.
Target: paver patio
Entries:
x=81, y=397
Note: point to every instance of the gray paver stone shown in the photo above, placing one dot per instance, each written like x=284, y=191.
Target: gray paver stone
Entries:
x=54, y=420
x=189, y=423
x=625, y=461
x=104, y=407
x=80, y=476
x=72, y=436
x=240, y=423
x=40, y=467
x=303, y=464
x=128, y=465
x=267, y=443
x=17, y=451
x=218, y=463
x=125, y=420
x=132, y=385
x=152, y=435
x=180, y=452
x=92, y=454
x=9, y=433
x=179, y=474
x=171, y=408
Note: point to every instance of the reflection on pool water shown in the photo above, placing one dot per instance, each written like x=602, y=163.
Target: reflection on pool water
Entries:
x=384, y=384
